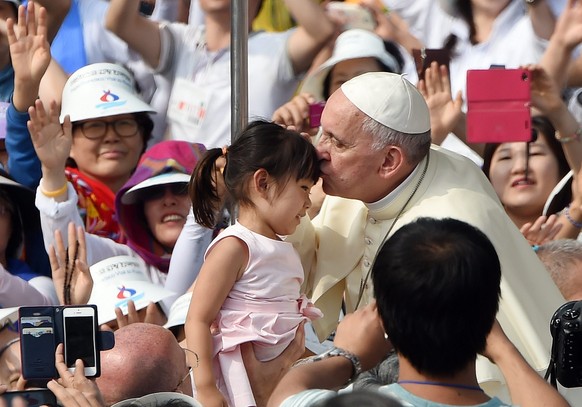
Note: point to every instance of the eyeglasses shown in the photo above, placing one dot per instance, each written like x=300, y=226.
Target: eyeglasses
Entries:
x=157, y=192
x=189, y=370
x=96, y=129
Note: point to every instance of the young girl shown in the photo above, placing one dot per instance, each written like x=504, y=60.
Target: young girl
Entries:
x=248, y=287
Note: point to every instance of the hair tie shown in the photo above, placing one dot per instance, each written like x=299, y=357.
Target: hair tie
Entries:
x=224, y=150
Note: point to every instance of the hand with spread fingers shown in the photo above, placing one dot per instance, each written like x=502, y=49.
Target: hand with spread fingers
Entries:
x=150, y=314
x=29, y=52
x=445, y=112
x=70, y=272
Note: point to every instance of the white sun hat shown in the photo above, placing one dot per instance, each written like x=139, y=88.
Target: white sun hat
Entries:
x=179, y=311
x=389, y=99
x=157, y=400
x=350, y=44
x=100, y=90
x=118, y=279
x=134, y=193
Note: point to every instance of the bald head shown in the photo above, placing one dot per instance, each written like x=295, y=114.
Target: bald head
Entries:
x=146, y=358
x=563, y=260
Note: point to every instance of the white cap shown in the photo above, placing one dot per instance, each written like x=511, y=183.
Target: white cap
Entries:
x=350, y=44
x=158, y=399
x=389, y=99
x=179, y=311
x=132, y=194
x=118, y=279
x=100, y=90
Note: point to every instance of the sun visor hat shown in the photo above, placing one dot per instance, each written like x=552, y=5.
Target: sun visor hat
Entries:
x=100, y=90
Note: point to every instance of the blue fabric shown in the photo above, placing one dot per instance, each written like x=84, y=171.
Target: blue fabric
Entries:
x=20, y=269
x=6, y=83
x=68, y=47
x=23, y=163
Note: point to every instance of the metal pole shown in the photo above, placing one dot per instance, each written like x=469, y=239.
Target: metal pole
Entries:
x=239, y=109
x=239, y=34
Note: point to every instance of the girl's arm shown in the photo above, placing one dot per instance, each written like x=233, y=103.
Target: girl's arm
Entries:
x=222, y=267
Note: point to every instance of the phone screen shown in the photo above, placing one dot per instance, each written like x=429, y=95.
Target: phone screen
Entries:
x=80, y=340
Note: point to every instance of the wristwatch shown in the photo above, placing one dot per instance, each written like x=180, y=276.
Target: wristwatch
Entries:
x=335, y=351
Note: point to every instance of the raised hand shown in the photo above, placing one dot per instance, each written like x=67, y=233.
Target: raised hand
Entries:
x=52, y=141
x=445, y=111
x=295, y=112
x=71, y=275
x=29, y=50
x=150, y=315
x=543, y=230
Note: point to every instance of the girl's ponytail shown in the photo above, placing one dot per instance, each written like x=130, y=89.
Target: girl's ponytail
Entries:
x=203, y=191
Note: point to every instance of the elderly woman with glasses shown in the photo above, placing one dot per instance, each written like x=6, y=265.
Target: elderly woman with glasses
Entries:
x=104, y=128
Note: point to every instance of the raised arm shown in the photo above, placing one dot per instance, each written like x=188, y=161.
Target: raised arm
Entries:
x=139, y=32
x=57, y=10
x=359, y=333
x=567, y=35
x=313, y=31
x=526, y=386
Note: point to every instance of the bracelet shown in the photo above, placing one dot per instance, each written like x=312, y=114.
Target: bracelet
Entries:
x=335, y=351
x=576, y=136
x=574, y=223
x=53, y=194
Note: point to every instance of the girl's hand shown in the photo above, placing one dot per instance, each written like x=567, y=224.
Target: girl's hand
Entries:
x=543, y=230
x=71, y=275
x=52, y=141
x=210, y=396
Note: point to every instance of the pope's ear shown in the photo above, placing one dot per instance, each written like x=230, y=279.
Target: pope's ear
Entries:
x=393, y=161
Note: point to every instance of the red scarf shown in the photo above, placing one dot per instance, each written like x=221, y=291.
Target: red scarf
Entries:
x=96, y=205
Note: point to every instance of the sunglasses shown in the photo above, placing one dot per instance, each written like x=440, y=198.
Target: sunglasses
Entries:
x=157, y=192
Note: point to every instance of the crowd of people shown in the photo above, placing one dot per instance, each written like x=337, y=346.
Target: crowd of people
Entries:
x=351, y=245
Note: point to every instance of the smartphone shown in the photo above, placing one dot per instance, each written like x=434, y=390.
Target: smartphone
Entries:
x=498, y=106
x=37, y=342
x=79, y=338
x=353, y=15
x=426, y=56
x=315, y=110
x=33, y=398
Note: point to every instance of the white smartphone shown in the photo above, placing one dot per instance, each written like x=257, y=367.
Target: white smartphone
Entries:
x=79, y=329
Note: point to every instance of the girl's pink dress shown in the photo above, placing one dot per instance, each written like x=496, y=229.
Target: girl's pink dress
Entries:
x=264, y=307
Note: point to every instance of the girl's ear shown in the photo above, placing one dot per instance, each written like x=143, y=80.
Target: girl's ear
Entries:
x=261, y=181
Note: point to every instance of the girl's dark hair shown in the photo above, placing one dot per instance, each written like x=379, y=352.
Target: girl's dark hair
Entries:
x=543, y=128
x=284, y=154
